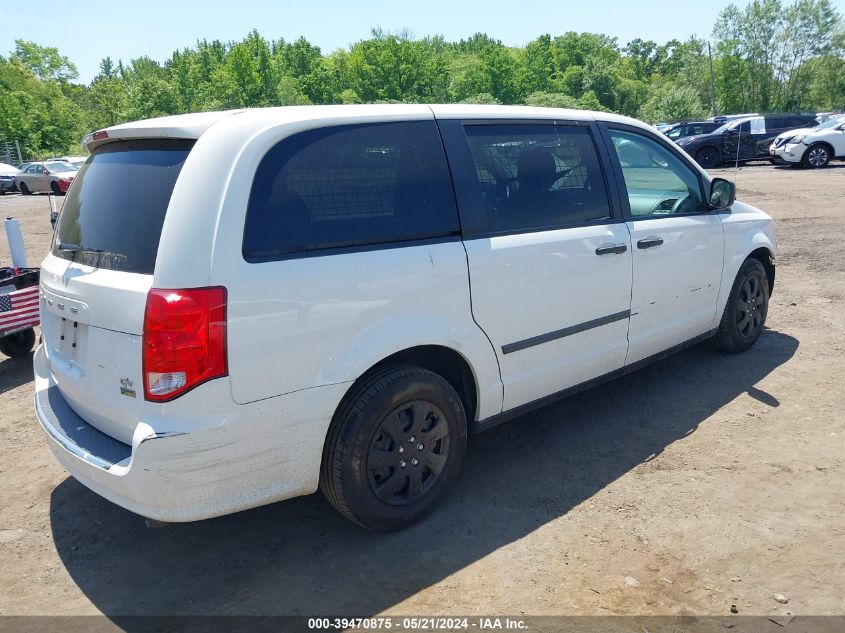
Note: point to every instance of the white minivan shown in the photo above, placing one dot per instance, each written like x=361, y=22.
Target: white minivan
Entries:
x=240, y=307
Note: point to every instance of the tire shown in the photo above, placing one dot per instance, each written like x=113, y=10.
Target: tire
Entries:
x=54, y=187
x=18, y=344
x=24, y=189
x=708, y=157
x=816, y=156
x=745, y=313
x=374, y=471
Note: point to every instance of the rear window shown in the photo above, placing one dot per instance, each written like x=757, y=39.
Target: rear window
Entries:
x=349, y=186
x=59, y=166
x=114, y=211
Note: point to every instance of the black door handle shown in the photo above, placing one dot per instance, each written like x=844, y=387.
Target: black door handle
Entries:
x=650, y=242
x=613, y=249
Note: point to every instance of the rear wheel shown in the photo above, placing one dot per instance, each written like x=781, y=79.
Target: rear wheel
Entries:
x=746, y=310
x=816, y=156
x=24, y=189
x=54, y=187
x=18, y=344
x=396, y=443
x=708, y=157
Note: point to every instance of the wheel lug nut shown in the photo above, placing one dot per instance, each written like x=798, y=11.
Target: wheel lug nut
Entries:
x=402, y=464
x=415, y=461
x=420, y=447
x=401, y=449
x=412, y=439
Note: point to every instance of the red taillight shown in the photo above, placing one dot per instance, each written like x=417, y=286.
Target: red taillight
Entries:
x=98, y=136
x=184, y=340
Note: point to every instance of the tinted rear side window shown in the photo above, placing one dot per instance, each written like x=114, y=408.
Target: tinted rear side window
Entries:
x=347, y=186
x=537, y=176
x=114, y=211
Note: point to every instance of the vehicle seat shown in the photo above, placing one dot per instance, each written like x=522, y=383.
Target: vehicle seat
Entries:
x=532, y=202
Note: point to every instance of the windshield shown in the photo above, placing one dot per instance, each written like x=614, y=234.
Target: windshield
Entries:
x=837, y=120
x=59, y=166
x=113, y=213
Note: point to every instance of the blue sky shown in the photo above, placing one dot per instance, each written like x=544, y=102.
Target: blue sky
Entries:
x=88, y=30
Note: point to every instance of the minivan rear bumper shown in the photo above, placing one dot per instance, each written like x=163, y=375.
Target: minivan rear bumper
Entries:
x=194, y=463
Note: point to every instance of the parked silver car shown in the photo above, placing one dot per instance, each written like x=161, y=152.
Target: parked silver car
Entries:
x=45, y=176
x=7, y=178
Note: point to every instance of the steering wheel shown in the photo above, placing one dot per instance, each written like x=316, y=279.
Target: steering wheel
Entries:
x=677, y=207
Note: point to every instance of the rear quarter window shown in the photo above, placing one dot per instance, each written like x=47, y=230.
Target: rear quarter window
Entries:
x=350, y=186
x=114, y=211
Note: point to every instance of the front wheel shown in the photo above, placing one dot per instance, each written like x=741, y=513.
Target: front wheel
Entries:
x=708, y=157
x=395, y=444
x=24, y=189
x=18, y=344
x=745, y=313
x=816, y=156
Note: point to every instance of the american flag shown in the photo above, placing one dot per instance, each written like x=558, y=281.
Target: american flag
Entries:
x=19, y=309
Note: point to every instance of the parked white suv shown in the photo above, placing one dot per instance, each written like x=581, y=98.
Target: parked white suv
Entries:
x=240, y=307
x=811, y=147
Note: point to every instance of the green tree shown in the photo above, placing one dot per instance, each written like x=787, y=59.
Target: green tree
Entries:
x=44, y=61
x=551, y=100
x=767, y=55
x=673, y=103
x=482, y=98
x=763, y=52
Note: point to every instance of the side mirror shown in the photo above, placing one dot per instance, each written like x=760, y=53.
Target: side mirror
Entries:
x=722, y=193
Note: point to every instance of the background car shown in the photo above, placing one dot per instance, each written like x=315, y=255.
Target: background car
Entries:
x=724, y=118
x=690, y=128
x=822, y=117
x=811, y=147
x=7, y=178
x=76, y=161
x=45, y=176
x=742, y=140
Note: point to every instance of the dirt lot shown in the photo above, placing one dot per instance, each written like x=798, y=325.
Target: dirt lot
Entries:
x=701, y=482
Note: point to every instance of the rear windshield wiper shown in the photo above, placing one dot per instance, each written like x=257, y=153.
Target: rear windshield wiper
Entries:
x=77, y=248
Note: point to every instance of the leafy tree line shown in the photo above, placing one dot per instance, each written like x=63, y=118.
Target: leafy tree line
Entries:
x=769, y=56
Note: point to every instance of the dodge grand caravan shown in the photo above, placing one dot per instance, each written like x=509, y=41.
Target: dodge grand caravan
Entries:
x=242, y=307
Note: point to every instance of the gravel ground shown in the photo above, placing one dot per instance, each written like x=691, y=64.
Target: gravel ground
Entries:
x=701, y=482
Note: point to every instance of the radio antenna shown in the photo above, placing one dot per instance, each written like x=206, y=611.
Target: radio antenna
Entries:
x=738, y=141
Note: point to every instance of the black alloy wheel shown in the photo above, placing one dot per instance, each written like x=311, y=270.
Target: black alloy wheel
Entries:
x=18, y=344
x=746, y=309
x=708, y=157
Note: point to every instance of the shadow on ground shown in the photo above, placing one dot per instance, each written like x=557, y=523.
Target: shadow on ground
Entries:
x=300, y=557
x=829, y=166
x=15, y=372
